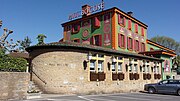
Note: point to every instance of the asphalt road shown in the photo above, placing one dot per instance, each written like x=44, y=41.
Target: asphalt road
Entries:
x=111, y=97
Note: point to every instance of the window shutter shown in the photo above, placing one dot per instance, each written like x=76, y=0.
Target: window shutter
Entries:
x=140, y=47
x=92, y=40
x=136, y=28
x=129, y=24
x=142, y=31
x=124, y=21
x=73, y=29
x=119, y=19
x=128, y=43
x=165, y=65
x=125, y=41
x=119, y=39
x=78, y=40
x=78, y=27
x=96, y=22
x=100, y=40
x=133, y=44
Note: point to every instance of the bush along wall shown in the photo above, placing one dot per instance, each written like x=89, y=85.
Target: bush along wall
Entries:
x=11, y=64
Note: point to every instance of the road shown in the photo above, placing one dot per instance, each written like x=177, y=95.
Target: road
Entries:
x=111, y=97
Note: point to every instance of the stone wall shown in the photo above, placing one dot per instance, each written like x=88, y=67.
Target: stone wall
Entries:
x=13, y=85
x=63, y=72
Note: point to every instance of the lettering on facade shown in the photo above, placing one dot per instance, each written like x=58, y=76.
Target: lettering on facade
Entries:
x=86, y=11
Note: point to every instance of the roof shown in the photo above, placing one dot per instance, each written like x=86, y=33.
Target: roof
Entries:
x=160, y=46
x=78, y=46
x=19, y=55
x=157, y=52
x=115, y=9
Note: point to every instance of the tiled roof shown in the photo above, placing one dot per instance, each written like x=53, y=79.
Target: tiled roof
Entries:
x=78, y=46
x=19, y=55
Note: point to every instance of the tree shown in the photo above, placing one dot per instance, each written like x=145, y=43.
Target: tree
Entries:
x=40, y=38
x=167, y=42
x=24, y=43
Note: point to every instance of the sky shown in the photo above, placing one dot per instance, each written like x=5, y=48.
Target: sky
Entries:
x=33, y=17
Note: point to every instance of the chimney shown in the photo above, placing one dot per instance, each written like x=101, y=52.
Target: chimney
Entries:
x=86, y=10
x=130, y=13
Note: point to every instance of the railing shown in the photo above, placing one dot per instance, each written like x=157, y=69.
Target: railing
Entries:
x=39, y=77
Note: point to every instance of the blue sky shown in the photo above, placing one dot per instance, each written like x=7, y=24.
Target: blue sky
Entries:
x=33, y=17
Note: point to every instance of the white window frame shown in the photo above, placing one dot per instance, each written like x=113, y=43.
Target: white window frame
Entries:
x=94, y=66
x=119, y=67
x=113, y=66
x=100, y=66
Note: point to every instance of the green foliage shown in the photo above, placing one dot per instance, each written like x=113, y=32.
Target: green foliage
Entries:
x=24, y=43
x=167, y=42
x=10, y=64
x=40, y=38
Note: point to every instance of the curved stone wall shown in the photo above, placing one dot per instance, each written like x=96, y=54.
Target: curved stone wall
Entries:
x=62, y=71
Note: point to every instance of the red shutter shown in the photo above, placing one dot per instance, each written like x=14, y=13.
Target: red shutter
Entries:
x=142, y=31
x=129, y=24
x=136, y=28
x=100, y=40
x=78, y=40
x=96, y=22
x=133, y=44
x=73, y=29
x=92, y=40
x=78, y=27
x=124, y=21
x=119, y=40
x=140, y=47
x=119, y=19
x=125, y=41
x=128, y=43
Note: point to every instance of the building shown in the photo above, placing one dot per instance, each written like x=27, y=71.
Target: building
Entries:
x=104, y=52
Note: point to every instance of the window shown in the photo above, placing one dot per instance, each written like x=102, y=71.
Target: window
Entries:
x=120, y=19
x=142, y=31
x=136, y=28
x=130, y=43
x=129, y=24
x=130, y=68
x=137, y=45
x=100, y=66
x=96, y=40
x=121, y=40
x=76, y=40
x=151, y=49
x=135, y=68
x=144, y=69
x=120, y=58
x=113, y=66
x=92, y=65
x=75, y=28
x=119, y=67
x=100, y=56
x=142, y=47
x=158, y=69
x=148, y=69
x=166, y=65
